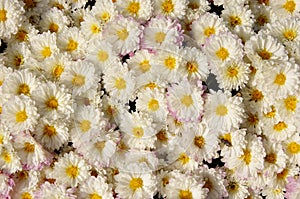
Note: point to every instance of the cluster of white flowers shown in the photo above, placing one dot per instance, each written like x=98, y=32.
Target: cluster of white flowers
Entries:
x=138, y=99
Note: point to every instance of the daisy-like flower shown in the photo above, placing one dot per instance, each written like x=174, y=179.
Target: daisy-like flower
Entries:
x=134, y=185
x=292, y=148
x=275, y=159
x=185, y=102
x=104, y=10
x=281, y=179
x=172, y=8
x=196, y=8
x=285, y=8
x=263, y=15
x=10, y=17
x=279, y=130
x=19, y=114
x=53, y=190
x=289, y=106
x=139, y=9
x=95, y=188
x=222, y=112
x=25, y=31
x=79, y=76
x=232, y=143
x=18, y=56
x=9, y=161
x=124, y=34
x=53, y=100
x=91, y=27
x=53, y=20
x=70, y=170
x=273, y=192
x=237, y=188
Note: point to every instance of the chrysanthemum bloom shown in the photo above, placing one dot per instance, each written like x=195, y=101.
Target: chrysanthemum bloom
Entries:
x=232, y=143
x=9, y=161
x=25, y=183
x=289, y=107
x=172, y=8
x=91, y=27
x=292, y=149
x=263, y=15
x=104, y=10
x=285, y=8
x=95, y=188
x=237, y=188
x=272, y=191
x=139, y=9
x=196, y=8
x=53, y=190
x=70, y=170
x=53, y=20
x=18, y=56
x=25, y=31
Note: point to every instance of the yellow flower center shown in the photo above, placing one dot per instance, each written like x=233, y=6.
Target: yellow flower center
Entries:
x=1, y=82
x=21, y=116
x=136, y=183
x=1, y=139
x=246, y=157
x=291, y=103
x=256, y=95
x=26, y=195
x=100, y=145
x=272, y=113
x=199, y=141
x=162, y=136
x=58, y=6
x=120, y=83
x=283, y=174
x=46, y=52
x=95, y=196
x=153, y=105
x=253, y=119
x=28, y=147
x=52, y=103
x=151, y=85
x=49, y=130
x=280, y=126
x=193, y=6
x=222, y=53
x=72, y=171
x=266, y=2
x=262, y=20
x=160, y=37
x=78, y=80
x=53, y=27
x=29, y=3
x=123, y=34
x=57, y=70
x=6, y=157
x=233, y=186
x=102, y=55
x=232, y=72
x=209, y=31
x=226, y=138
x=3, y=17
x=289, y=6
x=264, y=54
x=105, y=16
x=185, y=194
x=170, y=63
x=165, y=181
x=85, y=125
x=191, y=67
x=0, y=109
x=293, y=148
x=271, y=158
x=280, y=79
x=138, y=132
x=95, y=28
x=183, y=158
x=22, y=35
x=133, y=8
x=187, y=100
x=72, y=45
x=144, y=66
x=19, y=60
x=24, y=89
x=221, y=110
x=167, y=6
x=290, y=34
x=235, y=21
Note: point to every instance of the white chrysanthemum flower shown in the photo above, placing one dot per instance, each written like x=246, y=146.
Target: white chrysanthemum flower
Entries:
x=263, y=15
x=281, y=179
x=124, y=34
x=91, y=27
x=53, y=20
x=52, y=134
x=289, y=106
x=275, y=159
x=70, y=170
x=79, y=76
x=10, y=17
x=206, y=25
x=279, y=130
x=222, y=112
x=139, y=9
x=292, y=148
x=104, y=10
x=237, y=188
x=9, y=160
x=19, y=114
x=272, y=192
x=134, y=185
x=232, y=143
x=43, y=45
x=172, y=8
x=95, y=188
x=185, y=101
x=60, y=4
x=196, y=8
x=285, y=8
x=53, y=190
x=25, y=31
x=53, y=101
x=18, y=56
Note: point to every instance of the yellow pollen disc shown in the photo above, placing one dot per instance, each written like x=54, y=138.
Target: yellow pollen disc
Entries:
x=78, y=80
x=272, y=113
x=49, y=130
x=136, y=183
x=21, y=116
x=199, y=141
x=85, y=125
x=271, y=158
x=280, y=126
x=95, y=196
x=29, y=3
x=19, y=60
x=209, y=31
x=144, y=66
x=290, y=34
x=280, y=79
x=187, y=100
x=102, y=55
x=167, y=6
x=293, y=148
x=184, y=159
x=185, y=194
x=72, y=171
x=291, y=103
x=170, y=63
x=95, y=29
x=256, y=95
x=1, y=139
x=235, y=21
x=283, y=174
x=0, y=109
x=193, y=6
x=289, y=6
x=58, y=6
x=57, y=70
x=153, y=105
x=221, y=110
x=233, y=186
x=266, y=2
x=1, y=82
x=53, y=27
x=160, y=37
x=26, y=195
x=105, y=16
x=227, y=137
x=151, y=85
x=162, y=136
x=22, y=35
x=232, y=72
x=6, y=157
x=253, y=119
x=52, y=103
x=246, y=157
x=133, y=8
x=100, y=145
x=120, y=83
x=191, y=67
x=28, y=147
x=262, y=20
x=72, y=45
x=46, y=52
x=138, y=132
x=264, y=54
x=222, y=53
x=24, y=89
x=3, y=17
x=165, y=181
x=123, y=34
